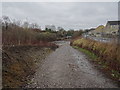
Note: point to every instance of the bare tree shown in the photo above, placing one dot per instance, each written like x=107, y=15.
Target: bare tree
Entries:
x=6, y=21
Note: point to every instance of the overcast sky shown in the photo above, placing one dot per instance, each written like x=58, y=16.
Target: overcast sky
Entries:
x=68, y=15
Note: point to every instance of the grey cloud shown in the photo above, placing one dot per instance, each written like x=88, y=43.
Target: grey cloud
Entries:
x=68, y=15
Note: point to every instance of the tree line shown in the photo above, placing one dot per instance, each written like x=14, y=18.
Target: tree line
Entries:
x=16, y=33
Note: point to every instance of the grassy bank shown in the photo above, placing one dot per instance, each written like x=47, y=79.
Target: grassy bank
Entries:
x=19, y=64
x=104, y=54
x=23, y=47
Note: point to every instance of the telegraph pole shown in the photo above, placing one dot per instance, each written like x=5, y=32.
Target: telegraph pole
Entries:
x=118, y=22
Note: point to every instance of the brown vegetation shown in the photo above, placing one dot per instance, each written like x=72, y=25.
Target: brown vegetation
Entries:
x=108, y=54
x=13, y=34
x=22, y=49
x=19, y=63
x=21, y=36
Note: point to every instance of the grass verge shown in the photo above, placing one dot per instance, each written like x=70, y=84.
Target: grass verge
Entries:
x=106, y=55
x=88, y=53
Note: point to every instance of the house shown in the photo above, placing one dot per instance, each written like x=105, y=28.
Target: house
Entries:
x=113, y=24
x=51, y=27
x=97, y=31
x=112, y=27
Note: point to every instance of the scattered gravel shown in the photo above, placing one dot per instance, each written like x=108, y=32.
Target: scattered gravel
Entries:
x=68, y=68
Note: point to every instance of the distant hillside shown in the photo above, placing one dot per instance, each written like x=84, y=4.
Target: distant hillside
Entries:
x=99, y=28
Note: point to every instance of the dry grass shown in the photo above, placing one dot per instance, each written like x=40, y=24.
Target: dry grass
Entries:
x=108, y=53
x=18, y=36
x=19, y=64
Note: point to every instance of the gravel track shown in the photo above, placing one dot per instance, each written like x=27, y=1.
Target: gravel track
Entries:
x=68, y=68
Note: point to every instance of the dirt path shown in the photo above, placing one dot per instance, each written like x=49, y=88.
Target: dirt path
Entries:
x=68, y=68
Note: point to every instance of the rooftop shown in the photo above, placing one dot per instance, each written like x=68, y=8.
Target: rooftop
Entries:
x=113, y=22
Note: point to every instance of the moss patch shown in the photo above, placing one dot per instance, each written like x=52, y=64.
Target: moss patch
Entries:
x=88, y=53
